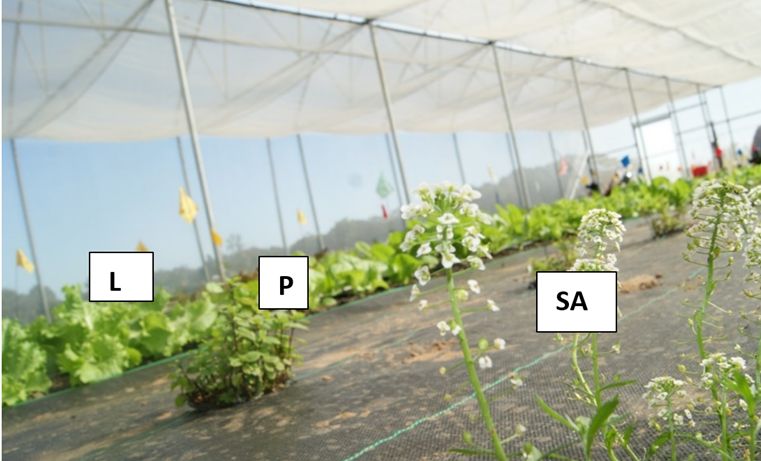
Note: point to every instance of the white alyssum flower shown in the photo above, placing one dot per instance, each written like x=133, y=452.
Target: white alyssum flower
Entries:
x=474, y=286
x=753, y=261
x=423, y=249
x=448, y=219
x=468, y=193
x=443, y=327
x=500, y=343
x=723, y=210
x=470, y=209
x=599, y=238
x=414, y=293
x=484, y=362
x=516, y=381
x=492, y=305
x=737, y=362
x=423, y=275
x=456, y=330
x=448, y=260
x=423, y=304
x=476, y=263
x=520, y=429
x=444, y=247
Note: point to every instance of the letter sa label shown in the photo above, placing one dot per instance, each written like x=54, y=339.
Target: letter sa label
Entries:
x=283, y=282
x=576, y=302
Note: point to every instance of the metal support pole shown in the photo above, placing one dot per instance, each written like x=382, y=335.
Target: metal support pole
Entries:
x=591, y=159
x=556, y=164
x=389, y=113
x=706, y=119
x=16, y=168
x=277, y=196
x=641, y=153
x=678, y=131
x=28, y=227
x=186, y=181
x=512, y=142
x=309, y=193
x=458, y=158
x=191, y=120
x=394, y=174
x=729, y=123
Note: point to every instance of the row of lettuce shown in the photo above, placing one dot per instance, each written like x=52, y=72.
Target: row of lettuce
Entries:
x=88, y=342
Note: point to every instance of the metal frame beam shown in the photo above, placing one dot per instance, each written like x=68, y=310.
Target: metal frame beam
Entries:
x=727, y=121
x=458, y=157
x=277, y=196
x=308, y=183
x=641, y=153
x=28, y=228
x=512, y=141
x=594, y=171
x=389, y=112
x=191, y=121
x=186, y=181
x=556, y=164
x=673, y=113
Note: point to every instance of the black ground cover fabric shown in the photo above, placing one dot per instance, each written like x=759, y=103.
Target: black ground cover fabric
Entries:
x=370, y=389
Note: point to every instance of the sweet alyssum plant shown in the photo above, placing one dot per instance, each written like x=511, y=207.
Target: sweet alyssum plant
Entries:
x=723, y=221
x=599, y=238
x=447, y=224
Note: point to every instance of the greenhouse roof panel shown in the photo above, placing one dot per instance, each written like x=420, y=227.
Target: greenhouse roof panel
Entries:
x=104, y=69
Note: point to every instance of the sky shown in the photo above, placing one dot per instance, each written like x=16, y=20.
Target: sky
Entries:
x=108, y=196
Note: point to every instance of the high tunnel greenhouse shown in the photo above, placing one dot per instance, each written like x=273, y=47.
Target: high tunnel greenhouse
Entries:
x=400, y=145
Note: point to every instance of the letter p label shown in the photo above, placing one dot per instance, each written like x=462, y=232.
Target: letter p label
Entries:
x=283, y=282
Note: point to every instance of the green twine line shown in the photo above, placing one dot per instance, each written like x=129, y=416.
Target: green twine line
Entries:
x=491, y=385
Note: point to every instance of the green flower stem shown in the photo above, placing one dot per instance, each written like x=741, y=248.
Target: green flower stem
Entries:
x=576, y=368
x=671, y=428
x=755, y=423
x=483, y=404
x=713, y=253
x=596, y=371
x=708, y=291
x=596, y=395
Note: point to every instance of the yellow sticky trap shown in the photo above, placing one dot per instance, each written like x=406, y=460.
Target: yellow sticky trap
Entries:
x=188, y=208
x=216, y=238
x=301, y=217
x=23, y=262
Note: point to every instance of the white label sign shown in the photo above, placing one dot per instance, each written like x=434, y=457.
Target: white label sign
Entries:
x=576, y=302
x=121, y=276
x=283, y=282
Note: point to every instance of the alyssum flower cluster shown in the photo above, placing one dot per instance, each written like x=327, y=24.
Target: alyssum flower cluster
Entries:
x=445, y=230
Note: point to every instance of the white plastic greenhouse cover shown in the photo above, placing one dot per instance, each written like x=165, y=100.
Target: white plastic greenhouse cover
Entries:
x=104, y=69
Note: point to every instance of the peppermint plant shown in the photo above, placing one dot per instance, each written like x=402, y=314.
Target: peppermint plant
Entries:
x=599, y=239
x=447, y=224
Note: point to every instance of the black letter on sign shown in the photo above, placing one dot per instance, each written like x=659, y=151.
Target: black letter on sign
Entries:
x=562, y=300
x=283, y=285
x=113, y=282
x=578, y=300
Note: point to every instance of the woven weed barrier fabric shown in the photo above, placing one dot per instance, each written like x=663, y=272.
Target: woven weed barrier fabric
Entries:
x=370, y=388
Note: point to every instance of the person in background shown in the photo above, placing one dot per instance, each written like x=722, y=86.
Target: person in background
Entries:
x=755, y=148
